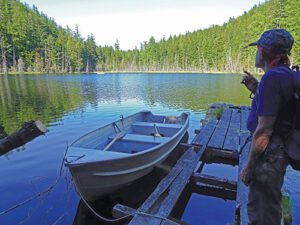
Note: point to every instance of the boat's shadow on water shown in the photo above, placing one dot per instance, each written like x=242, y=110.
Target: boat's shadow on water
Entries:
x=132, y=195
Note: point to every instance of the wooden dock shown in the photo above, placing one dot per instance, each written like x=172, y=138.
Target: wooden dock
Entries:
x=219, y=140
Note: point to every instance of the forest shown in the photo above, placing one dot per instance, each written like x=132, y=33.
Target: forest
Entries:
x=32, y=42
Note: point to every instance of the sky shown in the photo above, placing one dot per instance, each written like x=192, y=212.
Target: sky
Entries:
x=132, y=22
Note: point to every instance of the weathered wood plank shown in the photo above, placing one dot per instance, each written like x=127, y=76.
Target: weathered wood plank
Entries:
x=145, y=219
x=218, y=137
x=205, y=134
x=214, y=191
x=172, y=221
x=232, y=139
x=162, y=188
x=244, y=131
x=167, y=205
x=221, y=156
x=161, y=202
x=120, y=210
x=244, y=117
x=215, y=181
x=242, y=189
x=243, y=137
x=164, y=185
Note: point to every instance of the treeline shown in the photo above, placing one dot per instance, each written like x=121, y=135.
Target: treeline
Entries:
x=31, y=41
x=216, y=49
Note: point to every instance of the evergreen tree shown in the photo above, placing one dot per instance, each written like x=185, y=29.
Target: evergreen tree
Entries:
x=31, y=41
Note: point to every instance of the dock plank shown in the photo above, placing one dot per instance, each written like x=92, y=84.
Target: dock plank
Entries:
x=232, y=139
x=244, y=134
x=242, y=189
x=244, y=117
x=205, y=133
x=218, y=137
x=217, y=140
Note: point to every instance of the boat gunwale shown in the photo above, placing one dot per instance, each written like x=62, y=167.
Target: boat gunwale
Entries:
x=184, y=127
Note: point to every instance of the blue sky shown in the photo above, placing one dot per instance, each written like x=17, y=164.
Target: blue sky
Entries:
x=135, y=21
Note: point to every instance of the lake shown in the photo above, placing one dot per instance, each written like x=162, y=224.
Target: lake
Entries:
x=71, y=105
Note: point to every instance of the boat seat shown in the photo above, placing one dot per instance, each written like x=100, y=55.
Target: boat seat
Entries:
x=143, y=138
x=147, y=128
x=159, y=125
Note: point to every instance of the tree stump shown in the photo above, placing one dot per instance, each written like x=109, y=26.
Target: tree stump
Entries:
x=28, y=132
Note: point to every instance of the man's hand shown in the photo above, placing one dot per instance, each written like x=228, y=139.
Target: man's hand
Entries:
x=249, y=81
x=246, y=175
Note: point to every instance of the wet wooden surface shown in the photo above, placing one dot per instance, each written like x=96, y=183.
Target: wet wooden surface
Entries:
x=230, y=131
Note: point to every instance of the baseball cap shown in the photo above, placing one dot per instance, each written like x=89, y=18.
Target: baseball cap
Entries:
x=276, y=40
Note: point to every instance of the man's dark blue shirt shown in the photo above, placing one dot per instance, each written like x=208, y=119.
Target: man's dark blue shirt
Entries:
x=273, y=98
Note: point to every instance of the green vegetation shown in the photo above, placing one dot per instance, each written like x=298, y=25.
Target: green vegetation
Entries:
x=218, y=113
x=286, y=209
x=26, y=99
x=32, y=42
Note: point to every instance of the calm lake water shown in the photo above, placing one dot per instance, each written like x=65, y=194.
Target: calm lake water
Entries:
x=71, y=105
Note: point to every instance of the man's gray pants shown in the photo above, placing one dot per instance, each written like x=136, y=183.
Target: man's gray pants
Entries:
x=264, y=200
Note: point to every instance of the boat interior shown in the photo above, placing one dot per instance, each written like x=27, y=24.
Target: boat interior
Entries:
x=133, y=134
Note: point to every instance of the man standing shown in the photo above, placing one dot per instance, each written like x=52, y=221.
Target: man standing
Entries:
x=269, y=122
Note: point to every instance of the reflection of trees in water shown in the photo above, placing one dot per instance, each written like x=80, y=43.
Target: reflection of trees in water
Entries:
x=26, y=98
x=194, y=92
x=48, y=98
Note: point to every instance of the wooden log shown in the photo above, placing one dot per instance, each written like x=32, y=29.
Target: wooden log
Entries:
x=215, y=181
x=214, y=191
x=28, y=132
x=221, y=156
x=120, y=210
x=242, y=190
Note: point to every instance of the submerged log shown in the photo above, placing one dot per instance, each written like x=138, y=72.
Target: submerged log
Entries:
x=28, y=132
x=214, y=181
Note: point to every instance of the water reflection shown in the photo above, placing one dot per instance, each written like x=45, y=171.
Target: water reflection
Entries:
x=48, y=98
x=25, y=98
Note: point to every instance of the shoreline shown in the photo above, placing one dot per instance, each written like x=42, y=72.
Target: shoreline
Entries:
x=128, y=72
x=164, y=72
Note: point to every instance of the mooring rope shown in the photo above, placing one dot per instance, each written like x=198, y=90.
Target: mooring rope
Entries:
x=49, y=189
x=121, y=219
x=100, y=216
